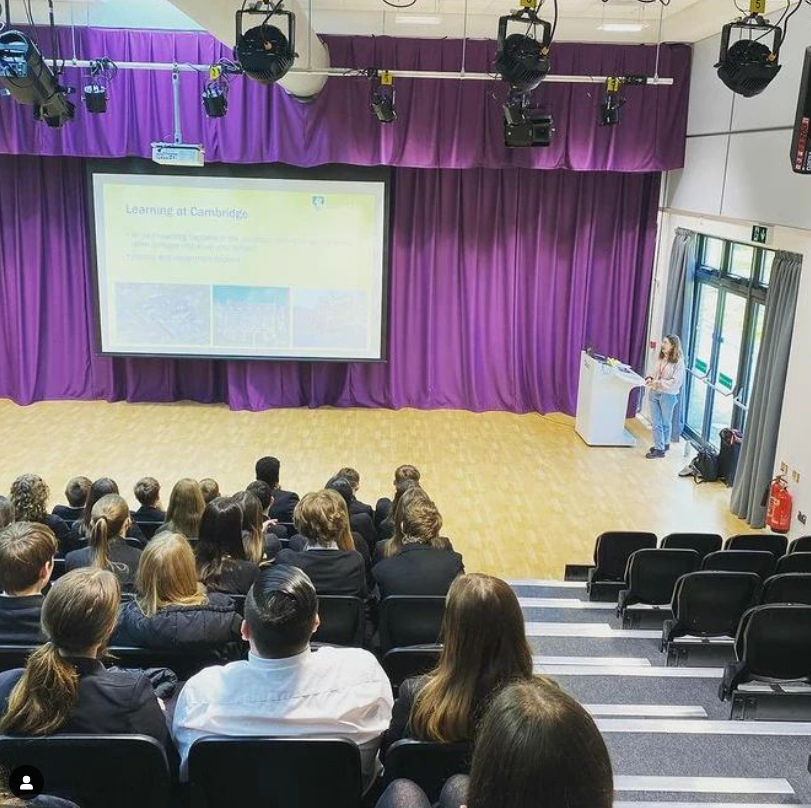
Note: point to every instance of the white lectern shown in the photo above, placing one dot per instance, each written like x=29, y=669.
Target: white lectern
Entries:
x=602, y=402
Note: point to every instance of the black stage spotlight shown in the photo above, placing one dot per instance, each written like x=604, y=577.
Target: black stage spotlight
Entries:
x=748, y=66
x=611, y=103
x=521, y=59
x=265, y=52
x=381, y=97
x=94, y=93
x=29, y=80
x=524, y=127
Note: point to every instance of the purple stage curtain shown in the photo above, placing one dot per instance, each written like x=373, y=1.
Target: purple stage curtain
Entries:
x=442, y=123
x=498, y=279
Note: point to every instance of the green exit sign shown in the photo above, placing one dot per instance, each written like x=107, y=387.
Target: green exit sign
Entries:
x=761, y=234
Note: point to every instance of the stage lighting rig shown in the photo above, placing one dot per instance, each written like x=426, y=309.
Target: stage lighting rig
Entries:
x=612, y=103
x=29, y=80
x=522, y=59
x=265, y=52
x=381, y=97
x=525, y=127
x=215, y=91
x=748, y=66
x=102, y=72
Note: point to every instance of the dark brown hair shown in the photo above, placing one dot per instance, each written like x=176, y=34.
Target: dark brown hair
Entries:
x=322, y=517
x=417, y=518
x=76, y=491
x=147, y=491
x=406, y=473
x=484, y=649
x=29, y=498
x=675, y=353
x=185, y=509
x=538, y=748
x=25, y=548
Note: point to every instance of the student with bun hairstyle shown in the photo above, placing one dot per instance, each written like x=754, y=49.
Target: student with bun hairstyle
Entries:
x=171, y=608
x=107, y=548
x=536, y=748
x=64, y=687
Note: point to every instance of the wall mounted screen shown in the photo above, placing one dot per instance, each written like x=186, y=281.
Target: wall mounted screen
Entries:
x=228, y=265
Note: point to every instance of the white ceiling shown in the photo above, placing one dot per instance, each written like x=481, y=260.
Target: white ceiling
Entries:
x=580, y=20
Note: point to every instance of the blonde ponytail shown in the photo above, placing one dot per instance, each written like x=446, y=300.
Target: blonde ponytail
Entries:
x=99, y=542
x=107, y=521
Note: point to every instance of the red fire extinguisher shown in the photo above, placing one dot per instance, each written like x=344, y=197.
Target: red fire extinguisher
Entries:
x=778, y=515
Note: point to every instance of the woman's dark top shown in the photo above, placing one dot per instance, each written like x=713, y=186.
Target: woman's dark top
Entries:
x=299, y=544
x=333, y=572
x=418, y=569
x=110, y=702
x=19, y=620
x=67, y=513
x=146, y=513
x=236, y=578
x=124, y=561
x=61, y=530
x=214, y=624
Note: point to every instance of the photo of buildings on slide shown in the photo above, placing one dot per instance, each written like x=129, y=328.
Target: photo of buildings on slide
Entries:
x=330, y=317
x=162, y=314
x=251, y=317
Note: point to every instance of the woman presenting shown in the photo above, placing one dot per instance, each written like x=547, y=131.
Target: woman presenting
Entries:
x=663, y=391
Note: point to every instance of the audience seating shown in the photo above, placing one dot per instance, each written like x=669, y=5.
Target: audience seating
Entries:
x=773, y=645
x=707, y=604
x=771, y=542
x=801, y=545
x=790, y=587
x=758, y=561
x=427, y=764
x=402, y=663
x=702, y=543
x=149, y=529
x=184, y=662
x=794, y=562
x=650, y=577
x=14, y=656
x=342, y=620
x=611, y=553
x=59, y=569
x=95, y=771
x=410, y=620
x=274, y=773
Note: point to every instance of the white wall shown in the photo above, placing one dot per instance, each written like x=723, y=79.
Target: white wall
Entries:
x=737, y=173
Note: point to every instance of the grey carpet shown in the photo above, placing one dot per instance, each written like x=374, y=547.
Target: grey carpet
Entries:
x=589, y=646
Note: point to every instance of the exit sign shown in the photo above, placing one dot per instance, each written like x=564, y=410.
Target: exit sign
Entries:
x=761, y=234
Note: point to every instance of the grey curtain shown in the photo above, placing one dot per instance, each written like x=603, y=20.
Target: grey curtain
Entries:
x=679, y=307
x=756, y=463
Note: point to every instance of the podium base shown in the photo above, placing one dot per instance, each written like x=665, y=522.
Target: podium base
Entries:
x=625, y=438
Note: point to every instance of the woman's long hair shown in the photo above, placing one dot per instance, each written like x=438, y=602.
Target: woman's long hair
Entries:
x=322, y=518
x=6, y=512
x=253, y=522
x=108, y=520
x=78, y=614
x=675, y=353
x=537, y=747
x=220, y=539
x=167, y=575
x=484, y=649
x=416, y=519
x=98, y=489
x=185, y=510
x=29, y=498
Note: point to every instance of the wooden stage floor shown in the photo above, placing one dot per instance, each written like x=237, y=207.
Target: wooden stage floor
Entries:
x=521, y=495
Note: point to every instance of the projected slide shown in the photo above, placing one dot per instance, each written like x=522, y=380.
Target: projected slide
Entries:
x=241, y=267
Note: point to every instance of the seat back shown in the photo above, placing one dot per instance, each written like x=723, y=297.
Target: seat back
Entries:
x=801, y=545
x=770, y=542
x=757, y=561
x=790, y=587
x=402, y=663
x=274, y=773
x=774, y=642
x=794, y=562
x=410, y=620
x=652, y=574
x=59, y=569
x=710, y=603
x=342, y=620
x=149, y=529
x=427, y=764
x=612, y=551
x=14, y=656
x=702, y=543
x=95, y=771
x=185, y=662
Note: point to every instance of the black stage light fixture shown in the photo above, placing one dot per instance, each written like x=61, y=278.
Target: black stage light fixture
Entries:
x=524, y=127
x=612, y=102
x=26, y=77
x=94, y=93
x=265, y=52
x=522, y=60
x=748, y=66
x=381, y=97
x=215, y=93
x=95, y=98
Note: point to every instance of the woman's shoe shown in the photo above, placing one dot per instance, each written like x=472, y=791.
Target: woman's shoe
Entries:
x=655, y=453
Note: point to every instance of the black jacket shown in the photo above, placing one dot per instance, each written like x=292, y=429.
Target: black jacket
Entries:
x=67, y=513
x=148, y=514
x=214, y=624
x=125, y=560
x=418, y=569
x=356, y=507
x=284, y=503
x=333, y=572
x=61, y=530
x=401, y=712
x=364, y=524
x=109, y=702
x=237, y=577
x=299, y=544
x=19, y=620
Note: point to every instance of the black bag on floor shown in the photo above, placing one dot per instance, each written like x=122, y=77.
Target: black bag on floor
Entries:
x=705, y=465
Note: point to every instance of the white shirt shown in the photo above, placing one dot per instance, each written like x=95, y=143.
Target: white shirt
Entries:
x=331, y=692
